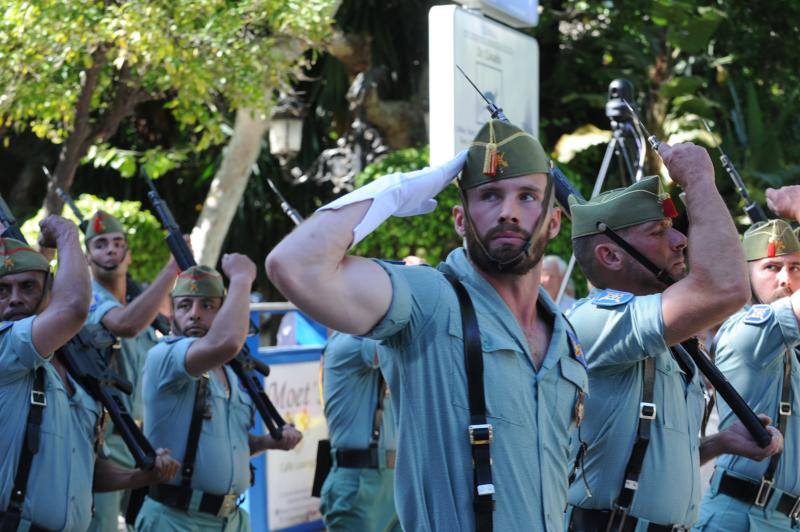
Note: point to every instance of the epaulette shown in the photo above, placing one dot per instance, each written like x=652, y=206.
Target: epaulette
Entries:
x=5, y=325
x=172, y=339
x=758, y=314
x=577, y=350
x=611, y=298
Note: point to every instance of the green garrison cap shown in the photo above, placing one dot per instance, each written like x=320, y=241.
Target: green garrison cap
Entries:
x=199, y=281
x=502, y=150
x=102, y=223
x=769, y=239
x=641, y=202
x=16, y=257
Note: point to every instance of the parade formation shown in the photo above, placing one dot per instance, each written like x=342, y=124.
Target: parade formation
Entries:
x=472, y=395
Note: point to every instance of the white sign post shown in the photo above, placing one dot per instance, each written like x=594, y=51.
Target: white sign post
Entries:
x=502, y=62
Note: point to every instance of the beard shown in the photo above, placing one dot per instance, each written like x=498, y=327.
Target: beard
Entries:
x=506, y=259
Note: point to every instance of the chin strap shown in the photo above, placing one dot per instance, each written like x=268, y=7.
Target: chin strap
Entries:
x=536, y=233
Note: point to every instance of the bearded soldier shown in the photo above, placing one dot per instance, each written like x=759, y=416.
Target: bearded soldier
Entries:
x=484, y=379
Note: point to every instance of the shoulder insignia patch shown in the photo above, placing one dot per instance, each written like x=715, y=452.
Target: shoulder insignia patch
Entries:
x=611, y=298
x=758, y=314
x=577, y=350
x=172, y=339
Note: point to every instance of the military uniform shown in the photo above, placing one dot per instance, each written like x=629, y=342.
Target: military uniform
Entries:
x=532, y=412
x=357, y=498
x=754, y=347
x=646, y=406
x=59, y=485
x=221, y=472
x=620, y=331
x=128, y=363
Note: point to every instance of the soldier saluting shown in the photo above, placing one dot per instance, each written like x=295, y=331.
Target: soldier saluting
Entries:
x=481, y=443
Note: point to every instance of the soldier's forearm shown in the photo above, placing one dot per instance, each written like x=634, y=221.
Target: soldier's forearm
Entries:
x=109, y=476
x=130, y=320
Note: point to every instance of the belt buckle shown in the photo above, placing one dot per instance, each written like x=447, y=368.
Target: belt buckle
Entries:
x=647, y=410
x=764, y=490
x=794, y=513
x=617, y=510
x=38, y=398
x=228, y=505
x=480, y=434
x=680, y=528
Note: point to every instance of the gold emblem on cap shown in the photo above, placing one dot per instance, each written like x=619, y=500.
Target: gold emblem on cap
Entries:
x=8, y=263
x=193, y=287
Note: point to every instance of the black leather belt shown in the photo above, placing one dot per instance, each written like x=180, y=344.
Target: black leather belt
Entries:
x=179, y=497
x=584, y=520
x=363, y=458
x=33, y=528
x=753, y=492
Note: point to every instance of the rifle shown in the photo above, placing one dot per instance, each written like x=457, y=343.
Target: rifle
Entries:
x=689, y=348
x=290, y=211
x=751, y=208
x=85, y=357
x=132, y=288
x=244, y=364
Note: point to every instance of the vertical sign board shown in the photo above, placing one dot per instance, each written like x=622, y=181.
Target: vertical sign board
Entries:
x=281, y=497
x=501, y=61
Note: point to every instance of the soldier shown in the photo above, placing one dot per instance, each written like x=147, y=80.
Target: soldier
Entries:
x=756, y=350
x=641, y=469
x=491, y=431
x=49, y=467
x=194, y=404
x=358, y=493
x=109, y=257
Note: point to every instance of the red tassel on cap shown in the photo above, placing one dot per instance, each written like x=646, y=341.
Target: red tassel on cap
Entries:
x=668, y=206
x=771, y=248
x=97, y=224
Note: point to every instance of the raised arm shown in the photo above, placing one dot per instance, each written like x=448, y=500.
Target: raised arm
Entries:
x=228, y=331
x=785, y=202
x=71, y=292
x=716, y=285
x=311, y=266
x=129, y=320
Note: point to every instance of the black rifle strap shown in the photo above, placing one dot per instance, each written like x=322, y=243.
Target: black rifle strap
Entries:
x=193, y=440
x=647, y=413
x=479, y=431
x=711, y=393
x=377, y=417
x=30, y=448
x=784, y=411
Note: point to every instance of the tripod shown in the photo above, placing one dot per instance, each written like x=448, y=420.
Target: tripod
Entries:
x=627, y=142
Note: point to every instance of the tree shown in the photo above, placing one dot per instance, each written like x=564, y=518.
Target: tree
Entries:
x=71, y=72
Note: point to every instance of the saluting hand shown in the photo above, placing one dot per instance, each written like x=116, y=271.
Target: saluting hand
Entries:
x=785, y=201
x=686, y=162
x=739, y=441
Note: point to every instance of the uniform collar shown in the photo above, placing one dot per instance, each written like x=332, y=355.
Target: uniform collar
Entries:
x=501, y=318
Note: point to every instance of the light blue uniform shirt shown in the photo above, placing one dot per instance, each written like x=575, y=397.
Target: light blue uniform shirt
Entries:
x=59, y=489
x=350, y=390
x=133, y=350
x=422, y=358
x=617, y=333
x=223, y=454
x=750, y=352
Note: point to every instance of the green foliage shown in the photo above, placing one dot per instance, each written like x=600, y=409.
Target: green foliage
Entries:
x=201, y=57
x=145, y=237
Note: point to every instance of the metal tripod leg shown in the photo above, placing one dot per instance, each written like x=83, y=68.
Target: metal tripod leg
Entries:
x=598, y=185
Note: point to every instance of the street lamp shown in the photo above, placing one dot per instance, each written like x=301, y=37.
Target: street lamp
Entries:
x=286, y=128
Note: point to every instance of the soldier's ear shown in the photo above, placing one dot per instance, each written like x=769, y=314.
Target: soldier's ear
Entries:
x=609, y=256
x=458, y=220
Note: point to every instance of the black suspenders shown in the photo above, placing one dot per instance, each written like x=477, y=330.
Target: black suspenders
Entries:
x=479, y=431
x=11, y=517
x=647, y=413
x=377, y=417
x=784, y=411
x=193, y=439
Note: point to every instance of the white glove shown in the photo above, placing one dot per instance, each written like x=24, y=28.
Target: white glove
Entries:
x=399, y=194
